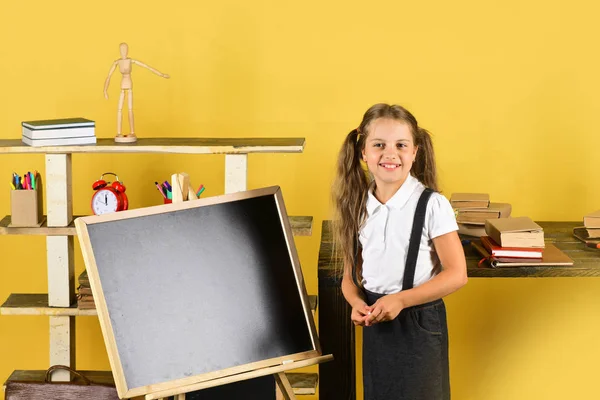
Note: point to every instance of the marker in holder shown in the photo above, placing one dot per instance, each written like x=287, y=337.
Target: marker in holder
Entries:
x=26, y=201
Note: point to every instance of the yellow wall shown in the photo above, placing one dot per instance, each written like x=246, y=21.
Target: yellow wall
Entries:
x=510, y=91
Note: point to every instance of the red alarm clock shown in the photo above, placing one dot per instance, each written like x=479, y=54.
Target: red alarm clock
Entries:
x=109, y=197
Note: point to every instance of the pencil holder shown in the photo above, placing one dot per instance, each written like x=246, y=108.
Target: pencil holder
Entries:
x=168, y=201
x=26, y=208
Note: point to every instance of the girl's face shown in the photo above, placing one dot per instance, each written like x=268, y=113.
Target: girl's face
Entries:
x=389, y=152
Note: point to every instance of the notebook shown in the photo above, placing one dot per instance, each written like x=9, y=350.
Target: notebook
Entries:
x=583, y=234
x=510, y=252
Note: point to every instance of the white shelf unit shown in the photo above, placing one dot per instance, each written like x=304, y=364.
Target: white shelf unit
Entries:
x=59, y=303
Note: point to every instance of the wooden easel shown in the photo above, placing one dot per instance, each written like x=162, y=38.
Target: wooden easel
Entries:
x=136, y=377
x=284, y=388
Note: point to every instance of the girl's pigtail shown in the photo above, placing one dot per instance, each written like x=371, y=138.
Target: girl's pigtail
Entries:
x=349, y=197
x=424, y=169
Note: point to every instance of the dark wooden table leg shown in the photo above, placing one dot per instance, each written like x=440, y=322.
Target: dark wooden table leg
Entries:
x=337, y=379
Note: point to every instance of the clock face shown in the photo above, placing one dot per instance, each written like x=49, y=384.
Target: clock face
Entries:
x=104, y=201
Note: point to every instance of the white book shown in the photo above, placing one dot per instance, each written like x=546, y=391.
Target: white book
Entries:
x=58, y=133
x=58, y=123
x=59, y=142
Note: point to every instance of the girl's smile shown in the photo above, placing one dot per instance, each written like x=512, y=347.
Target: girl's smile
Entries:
x=388, y=166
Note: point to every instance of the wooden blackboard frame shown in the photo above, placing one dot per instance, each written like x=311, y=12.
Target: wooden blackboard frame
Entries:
x=214, y=378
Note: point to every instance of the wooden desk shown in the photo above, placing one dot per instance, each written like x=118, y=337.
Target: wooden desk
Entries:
x=337, y=378
x=587, y=260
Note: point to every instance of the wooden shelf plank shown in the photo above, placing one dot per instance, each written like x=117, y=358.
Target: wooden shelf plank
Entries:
x=167, y=145
x=42, y=230
x=37, y=304
x=586, y=260
x=301, y=226
x=303, y=383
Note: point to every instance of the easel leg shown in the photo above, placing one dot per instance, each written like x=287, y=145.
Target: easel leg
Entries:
x=287, y=393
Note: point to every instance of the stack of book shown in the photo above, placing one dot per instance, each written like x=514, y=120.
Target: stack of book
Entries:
x=473, y=209
x=59, y=132
x=497, y=251
x=590, y=231
x=513, y=242
x=85, y=299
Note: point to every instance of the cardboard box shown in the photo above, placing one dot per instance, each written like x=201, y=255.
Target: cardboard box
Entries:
x=470, y=200
x=26, y=208
x=515, y=232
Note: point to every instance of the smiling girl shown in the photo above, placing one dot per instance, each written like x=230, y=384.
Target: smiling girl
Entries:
x=402, y=254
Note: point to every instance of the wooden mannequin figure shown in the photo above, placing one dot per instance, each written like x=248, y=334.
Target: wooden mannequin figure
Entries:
x=125, y=65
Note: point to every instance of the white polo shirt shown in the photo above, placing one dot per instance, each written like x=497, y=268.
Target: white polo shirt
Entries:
x=386, y=234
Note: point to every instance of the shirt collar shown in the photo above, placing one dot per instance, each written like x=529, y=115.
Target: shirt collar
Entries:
x=399, y=198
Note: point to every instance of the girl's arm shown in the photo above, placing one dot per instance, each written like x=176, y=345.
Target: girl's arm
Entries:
x=352, y=294
x=354, y=297
x=452, y=277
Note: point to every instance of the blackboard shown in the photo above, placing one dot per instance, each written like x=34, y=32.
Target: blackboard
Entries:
x=262, y=388
x=197, y=290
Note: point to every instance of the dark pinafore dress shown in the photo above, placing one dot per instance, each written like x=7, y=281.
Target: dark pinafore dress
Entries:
x=407, y=358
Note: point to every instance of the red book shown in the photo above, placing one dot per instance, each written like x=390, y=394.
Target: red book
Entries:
x=512, y=252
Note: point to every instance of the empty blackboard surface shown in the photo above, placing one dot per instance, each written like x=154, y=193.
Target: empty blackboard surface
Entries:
x=198, y=287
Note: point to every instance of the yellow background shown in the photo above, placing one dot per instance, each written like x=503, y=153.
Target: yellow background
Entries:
x=508, y=88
